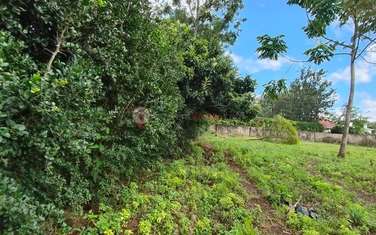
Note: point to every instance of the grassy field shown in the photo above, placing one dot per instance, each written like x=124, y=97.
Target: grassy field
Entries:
x=244, y=186
x=342, y=191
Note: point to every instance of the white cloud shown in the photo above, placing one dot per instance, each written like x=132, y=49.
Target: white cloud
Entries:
x=252, y=65
x=369, y=108
x=363, y=71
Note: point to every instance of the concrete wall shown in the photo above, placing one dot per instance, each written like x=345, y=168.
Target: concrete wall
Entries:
x=364, y=140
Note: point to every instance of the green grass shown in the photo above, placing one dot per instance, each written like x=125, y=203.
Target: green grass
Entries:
x=195, y=195
x=343, y=191
x=201, y=194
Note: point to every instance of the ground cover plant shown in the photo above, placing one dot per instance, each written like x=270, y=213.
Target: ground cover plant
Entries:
x=231, y=185
x=196, y=195
x=342, y=193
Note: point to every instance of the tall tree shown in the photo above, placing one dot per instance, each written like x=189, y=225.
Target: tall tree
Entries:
x=213, y=19
x=360, y=14
x=308, y=97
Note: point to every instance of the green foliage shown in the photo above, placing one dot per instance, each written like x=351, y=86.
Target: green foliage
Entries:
x=320, y=53
x=271, y=47
x=340, y=191
x=309, y=126
x=283, y=131
x=211, y=83
x=308, y=97
x=67, y=135
x=358, y=123
x=217, y=20
x=274, y=89
x=20, y=214
x=199, y=195
x=72, y=72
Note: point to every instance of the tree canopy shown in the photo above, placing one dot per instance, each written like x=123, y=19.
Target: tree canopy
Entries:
x=308, y=98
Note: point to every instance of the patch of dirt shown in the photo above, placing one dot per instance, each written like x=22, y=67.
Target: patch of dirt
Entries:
x=132, y=225
x=208, y=152
x=271, y=224
x=75, y=222
x=366, y=197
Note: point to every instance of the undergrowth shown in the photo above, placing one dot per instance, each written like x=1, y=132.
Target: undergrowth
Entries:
x=341, y=191
x=197, y=195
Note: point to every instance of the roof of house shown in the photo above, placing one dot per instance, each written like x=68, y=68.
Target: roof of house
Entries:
x=327, y=124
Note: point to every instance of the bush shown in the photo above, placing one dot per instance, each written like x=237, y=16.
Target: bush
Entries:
x=309, y=126
x=21, y=213
x=283, y=130
x=62, y=142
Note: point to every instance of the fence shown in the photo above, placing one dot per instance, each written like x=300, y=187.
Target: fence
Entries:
x=364, y=140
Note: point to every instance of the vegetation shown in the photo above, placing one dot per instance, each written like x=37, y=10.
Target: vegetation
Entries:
x=206, y=193
x=321, y=14
x=341, y=192
x=198, y=195
x=358, y=123
x=308, y=97
x=283, y=130
x=71, y=75
x=100, y=101
x=261, y=122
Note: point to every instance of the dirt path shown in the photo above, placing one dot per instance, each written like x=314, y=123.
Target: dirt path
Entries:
x=271, y=223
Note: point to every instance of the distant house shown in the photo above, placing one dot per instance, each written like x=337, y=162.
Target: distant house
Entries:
x=367, y=130
x=327, y=124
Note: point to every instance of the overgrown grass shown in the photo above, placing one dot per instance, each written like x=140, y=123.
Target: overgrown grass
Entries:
x=342, y=191
x=196, y=195
x=201, y=193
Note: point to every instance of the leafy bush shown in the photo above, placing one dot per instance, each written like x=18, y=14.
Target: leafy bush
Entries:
x=20, y=213
x=309, y=126
x=283, y=131
x=71, y=74
x=62, y=142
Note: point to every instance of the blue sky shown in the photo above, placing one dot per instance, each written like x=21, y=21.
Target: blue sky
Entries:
x=275, y=17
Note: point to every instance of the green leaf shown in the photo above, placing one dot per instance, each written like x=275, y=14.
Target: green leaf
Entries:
x=4, y=132
x=320, y=53
x=271, y=47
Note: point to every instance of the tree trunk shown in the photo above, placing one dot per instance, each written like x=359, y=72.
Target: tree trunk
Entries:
x=342, y=149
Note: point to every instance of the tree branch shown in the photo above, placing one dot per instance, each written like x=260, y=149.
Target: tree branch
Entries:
x=342, y=53
x=373, y=41
x=369, y=62
x=329, y=39
x=59, y=42
x=296, y=61
x=336, y=42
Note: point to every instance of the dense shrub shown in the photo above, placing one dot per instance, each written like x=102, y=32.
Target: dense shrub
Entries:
x=67, y=136
x=263, y=122
x=309, y=126
x=62, y=140
x=20, y=213
x=283, y=130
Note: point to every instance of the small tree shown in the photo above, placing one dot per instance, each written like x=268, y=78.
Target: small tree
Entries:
x=361, y=14
x=309, y=96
